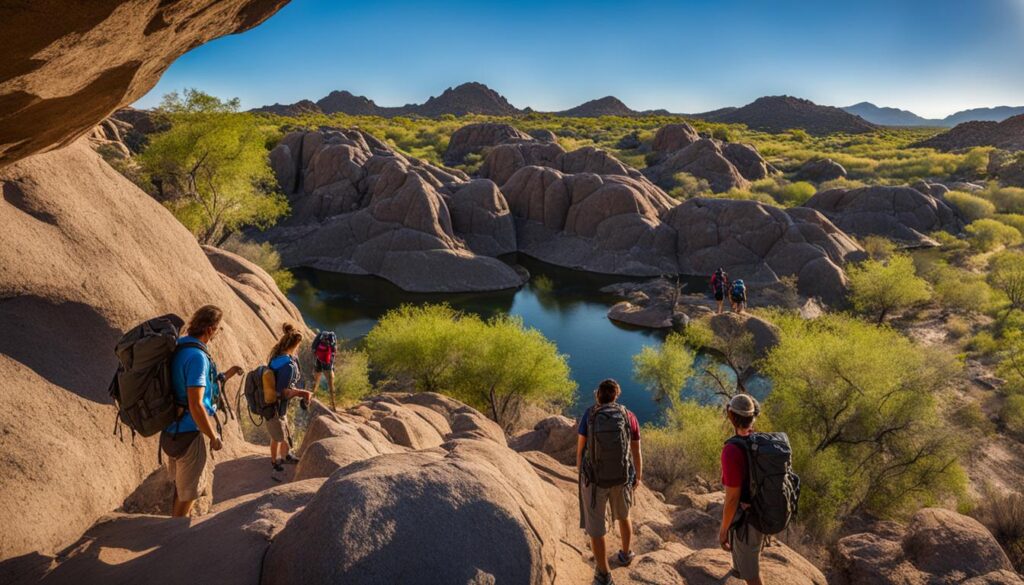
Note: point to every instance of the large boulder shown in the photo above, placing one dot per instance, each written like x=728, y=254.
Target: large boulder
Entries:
x=359, y=207
x=703, y=159
x=760, y=243
x=674, y=137
x=68, y=65
x=77, y=259
x=937, y=546
x=474, y=138
x=901, y=214
x=555, y=436
x=504, y=160
x=779, y=564
x=820, y=170
x=747, y=161
x=424, y=518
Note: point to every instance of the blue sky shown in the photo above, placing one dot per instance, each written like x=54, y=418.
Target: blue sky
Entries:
x=932, y=57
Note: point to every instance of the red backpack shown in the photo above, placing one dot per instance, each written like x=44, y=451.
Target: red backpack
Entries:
x=324, y=347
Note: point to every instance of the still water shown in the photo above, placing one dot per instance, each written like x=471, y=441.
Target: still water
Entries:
x=565, y=305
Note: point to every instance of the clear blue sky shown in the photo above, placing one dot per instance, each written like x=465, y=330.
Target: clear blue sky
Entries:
x=932, y=57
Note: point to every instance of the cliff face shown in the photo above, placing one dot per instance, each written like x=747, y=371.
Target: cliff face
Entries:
x=67, y=64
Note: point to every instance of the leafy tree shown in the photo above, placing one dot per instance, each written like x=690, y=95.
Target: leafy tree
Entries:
x=664, y=369
x=352, y=379
x=211, y=167
x=1006, y=274
x=496, y=366
x=734, y=349
x=689, y=444
x=986, y=235
x=879, y=288
x=860, y=405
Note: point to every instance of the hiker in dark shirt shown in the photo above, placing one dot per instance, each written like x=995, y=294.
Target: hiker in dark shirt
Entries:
x=285, y=365
x=719, y=287
x=746, y=552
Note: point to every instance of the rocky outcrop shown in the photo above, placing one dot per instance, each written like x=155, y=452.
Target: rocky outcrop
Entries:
x=899, y=213
x=299, y=108
x=937, y=546
x=713, y=161
x=1007, y=167
x=782, y=113
x=359, y=207
x=555, y=436
x=69, y=65
x=747, y=161
x=674, y=137
x=78, y=260
x=474, y=138
x=606, y=106
x=346, y=103
x=937, y=190
x=820, y=170
x=504, y=160
x=1005, y=135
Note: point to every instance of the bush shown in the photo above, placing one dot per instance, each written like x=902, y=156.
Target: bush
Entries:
x=878, y=288
x=495, y=366
x=1006, y=275
x=971, y=206
x=664, y=369
x=352, y=376
x=1003, y=515
x=878, y=247
x=1006, y=199
x=986, y=235
x=957, y=327
x=1014, y=220
x=263, y=255
x=959, y=289
x=796, y=193
x=971, y=418
x=1013, y=414
x=687, y=186
x=690, y=444
x=859, y=403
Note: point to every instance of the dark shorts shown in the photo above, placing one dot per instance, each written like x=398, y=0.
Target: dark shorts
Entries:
x=319, y=366
x=736, y=299
x=719, y=296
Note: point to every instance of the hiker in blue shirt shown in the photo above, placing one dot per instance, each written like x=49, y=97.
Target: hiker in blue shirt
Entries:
x=196, y=386
x=287, y=376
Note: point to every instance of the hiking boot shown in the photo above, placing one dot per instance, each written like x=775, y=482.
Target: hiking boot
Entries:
x=277, y=466
x=603, y=578
x=625, y=559
x=289, y=458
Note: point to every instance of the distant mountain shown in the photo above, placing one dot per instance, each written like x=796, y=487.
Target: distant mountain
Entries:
x=347, y=103
x=606, y=106
x=1008, y=135
x=713, y=114
x=781, y=113
x=889, y=116
x=297, y=109
x=468, y=98
x=997, y=114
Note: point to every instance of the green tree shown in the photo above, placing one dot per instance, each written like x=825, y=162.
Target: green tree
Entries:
x=211, y=167
x=880, y=288
x=860, y=405
x=352, y=378
x=689, y=444
x=971, y=206
x=496, y=366
x=1006, y=274
x=664, y=369
x=986, y=235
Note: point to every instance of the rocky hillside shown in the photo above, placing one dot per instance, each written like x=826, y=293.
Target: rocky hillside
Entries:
x=606, y=106
x=782, y=113
x=347, y=103
x=299, y=108
x=889, y=116
x=468, y=98
x=1006, y=135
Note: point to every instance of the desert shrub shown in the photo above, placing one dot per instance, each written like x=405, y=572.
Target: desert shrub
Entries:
x=878, y=247
x=798, y=135
x=983, y=343
x=859, y=403
x=1010, y=351
x=971, y=206
x=263, y=255
x=1014, y=220
x=841, y=183
x=687, y=186
x=1003, y=515
x=688, y=445
x=959, y=289
x=949, y=242
x=957, y=327
x=1006, y=199
x=664, y=369
x=744, y=195
x=352, y=376
x=495, y=366
x=1006, y=275
x=796, y=193
x=986, y=235
x=1012, y=414
x=878, y=288
x=723, y=133
x=972, y=418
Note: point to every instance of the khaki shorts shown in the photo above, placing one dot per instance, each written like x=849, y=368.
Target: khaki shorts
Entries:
x=594, y=503
x=747, y=542
x=187, y=470
x=278, y=429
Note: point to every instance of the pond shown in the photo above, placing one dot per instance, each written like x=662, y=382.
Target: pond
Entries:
x=565, y=305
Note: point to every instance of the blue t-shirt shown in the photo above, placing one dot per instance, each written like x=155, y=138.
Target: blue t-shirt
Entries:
x=191, y=367
x=286, y=374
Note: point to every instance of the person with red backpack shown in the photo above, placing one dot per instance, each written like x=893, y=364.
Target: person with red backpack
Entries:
x=719, y=287
x=610, y=465
x=325, y=348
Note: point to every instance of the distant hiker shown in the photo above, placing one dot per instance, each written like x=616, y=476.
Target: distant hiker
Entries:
x=285, y=366
x=610, y=467
x=720, y=286
x=197, y=389
x=325, y=347
x=761, y=490
x=738, y=295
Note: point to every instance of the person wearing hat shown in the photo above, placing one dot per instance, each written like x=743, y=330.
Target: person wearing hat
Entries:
x=746, y=550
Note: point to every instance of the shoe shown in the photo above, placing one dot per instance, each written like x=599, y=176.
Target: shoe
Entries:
x=277, y=466
x=603, y=579
x=289, y=458
x=625, y=559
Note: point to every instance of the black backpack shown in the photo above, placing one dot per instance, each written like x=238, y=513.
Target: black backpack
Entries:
x=252, y=389
x=141, y=388
x=608, y=456
x=721, y=283
x=774, y=487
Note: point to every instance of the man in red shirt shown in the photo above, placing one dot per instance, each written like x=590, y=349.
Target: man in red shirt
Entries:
x=736, y=535
x=594, y=500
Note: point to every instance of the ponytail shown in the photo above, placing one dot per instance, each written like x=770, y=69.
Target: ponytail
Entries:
x=292, y=338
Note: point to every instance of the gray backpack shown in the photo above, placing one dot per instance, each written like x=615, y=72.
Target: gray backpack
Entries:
x=141, y=388
x=774, y=487
x=609, y=459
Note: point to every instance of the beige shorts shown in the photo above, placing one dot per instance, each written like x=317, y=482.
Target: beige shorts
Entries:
x=278, y=429
x=595, y=502
x=747, y=542
x=187, y=470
